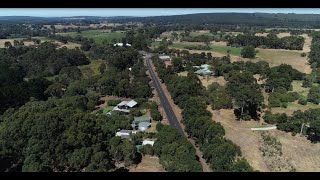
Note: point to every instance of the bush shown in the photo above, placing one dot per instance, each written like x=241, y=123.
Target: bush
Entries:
x=147, y=149
x=303, y=54
x=113, y=102
x=302, y=101
x=248, y=52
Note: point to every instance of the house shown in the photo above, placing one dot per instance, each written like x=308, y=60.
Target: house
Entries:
x=165, y=57
x=142, y=126
x=145, y=142
x=121, y=44
x=137, y=120
x=203, y=70
x=125, y=134
x=127, y=104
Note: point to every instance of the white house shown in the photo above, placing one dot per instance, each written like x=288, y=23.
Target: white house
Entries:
x=121, y=44
x=145, y=142
x=165, y=58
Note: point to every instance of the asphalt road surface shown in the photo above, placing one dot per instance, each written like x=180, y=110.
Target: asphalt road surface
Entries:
x=164, y=101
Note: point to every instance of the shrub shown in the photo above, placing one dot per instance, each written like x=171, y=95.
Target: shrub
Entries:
x=113, y=102
x=302, y=101
x=147, y=149
x=303, y=54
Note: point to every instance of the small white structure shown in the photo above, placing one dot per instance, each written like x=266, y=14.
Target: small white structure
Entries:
x=165, y=58
x=145, y=142
x=121, y=44
x=264, y=128
x=124, y=134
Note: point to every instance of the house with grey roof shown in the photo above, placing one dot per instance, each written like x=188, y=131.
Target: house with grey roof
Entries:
x=125, y=106
x=137, y=120
x=203, y=70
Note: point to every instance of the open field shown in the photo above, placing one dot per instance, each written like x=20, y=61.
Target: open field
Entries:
x=274, y=57
x=294, y=106
x=206, y=81
x=91, y=69
x=241, y=134
x=261, y=34
x=59, y=26
x=284, y=34
x=148, y=164
x=302, y=154
x=98, y=36
x=297, y=87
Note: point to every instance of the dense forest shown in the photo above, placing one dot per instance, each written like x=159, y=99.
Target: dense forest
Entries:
x=258, y=19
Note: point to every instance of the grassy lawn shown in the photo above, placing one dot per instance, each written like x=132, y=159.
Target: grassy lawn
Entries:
x=91, y=69
x=97, y=35
x=220, y=49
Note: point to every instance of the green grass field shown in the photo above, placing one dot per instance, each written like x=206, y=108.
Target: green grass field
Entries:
x=97, y=35
x=220, y=49
x=91, y=69
x=105, y=110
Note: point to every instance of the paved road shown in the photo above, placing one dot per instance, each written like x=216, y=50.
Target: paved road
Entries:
x=164, y=101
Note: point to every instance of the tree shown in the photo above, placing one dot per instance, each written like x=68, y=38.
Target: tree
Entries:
x=102, y=68
x=53, y=28
x=147, y=149
x=36, y=41
x=248, y=52
x=174, y=35
x=85, y=45
x=177, y=64
x=7, y=44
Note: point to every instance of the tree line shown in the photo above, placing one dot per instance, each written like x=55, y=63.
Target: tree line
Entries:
x=270, y=41
x=189, y=94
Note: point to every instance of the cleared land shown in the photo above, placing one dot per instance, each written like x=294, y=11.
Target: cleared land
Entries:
x=148, y=164
x=294, y=106
x=241, y=134
x=91, y=69
x=98, y=36
x=302, y=154
x=274, y=57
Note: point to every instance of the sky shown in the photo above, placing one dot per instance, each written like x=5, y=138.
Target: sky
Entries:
x=65, y=12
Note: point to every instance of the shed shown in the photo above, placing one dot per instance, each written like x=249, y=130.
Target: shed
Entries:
x=165, y=58
x=145, y=142
x=140, y=119
x=143, y=126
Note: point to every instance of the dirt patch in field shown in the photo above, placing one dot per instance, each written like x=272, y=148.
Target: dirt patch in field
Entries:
x=220, y=43
x=208, y=80
x=234, y=33
x=70, y=45
x=307, y=43
x=283, y=34
x=148, y=164
x=261, y=34
x=304, y=155
x=241, y=134
x=168, y=63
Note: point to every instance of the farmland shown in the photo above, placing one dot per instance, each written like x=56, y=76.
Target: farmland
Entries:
x=98, y=36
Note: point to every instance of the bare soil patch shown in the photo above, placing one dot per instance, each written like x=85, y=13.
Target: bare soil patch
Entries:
x=148, y=164
x=208, y=80
x=261, y=34
x=283, y=34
